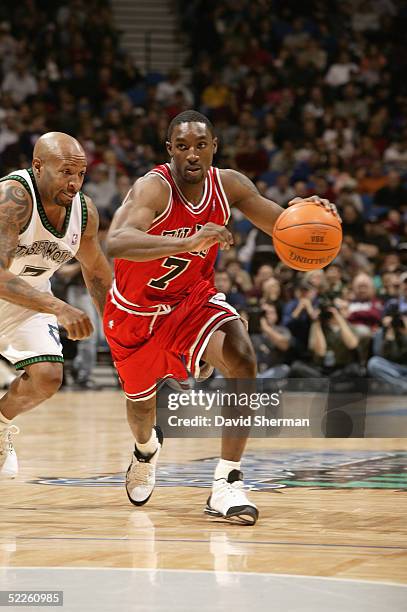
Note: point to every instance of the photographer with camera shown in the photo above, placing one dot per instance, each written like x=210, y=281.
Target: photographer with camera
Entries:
x=333, y=345
x=271, y=344
x=389, y=363
x=298, y=315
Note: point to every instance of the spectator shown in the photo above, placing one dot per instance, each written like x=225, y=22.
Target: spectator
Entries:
x=333, y=347
x=251, y=158
x=390, y=287
x=351, y=260
x=216, y=99
x=271, y=291
x=348, y=195
x=223, y=283
x=284, y=160
x=334, y=279
x=101, y=187
x=375, y=240
x=393, y=194
x=19, y=83
x=352, y=104
x=397, y=298
x=341, y=72
x=389, y=363
x=365, y=310
x=239, y=277
x=123, y=185
x=8, y=47
x=395, y=156
x=281, y=192
x=371, y=181
x=272, y=344
x=168, y=88
x=352, y=221
x=263, y=273
x=298, y=315
x=86, y=350
x=9, y=130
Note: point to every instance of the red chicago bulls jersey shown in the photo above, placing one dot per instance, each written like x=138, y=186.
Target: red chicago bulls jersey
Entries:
x=158, y=285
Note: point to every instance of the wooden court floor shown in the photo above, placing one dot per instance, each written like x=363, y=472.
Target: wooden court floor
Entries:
x=331, y=508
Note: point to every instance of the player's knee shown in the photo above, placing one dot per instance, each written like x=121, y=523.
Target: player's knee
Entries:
x=47, y=378
x=141, y=408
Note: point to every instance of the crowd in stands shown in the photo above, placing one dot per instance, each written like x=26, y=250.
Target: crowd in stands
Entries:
x=306, y=97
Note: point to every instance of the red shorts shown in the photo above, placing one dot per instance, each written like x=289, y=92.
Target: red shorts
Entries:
x=148, y=349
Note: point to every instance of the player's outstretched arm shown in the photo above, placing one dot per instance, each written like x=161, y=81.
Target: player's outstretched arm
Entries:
x=263, y=213
x=244, y=195
x=95, y=268
x=15, y=212
x=148, y=199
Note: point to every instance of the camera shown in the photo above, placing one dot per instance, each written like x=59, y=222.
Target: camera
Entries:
x=325, y=302
x=255, y=313
x=397, y=322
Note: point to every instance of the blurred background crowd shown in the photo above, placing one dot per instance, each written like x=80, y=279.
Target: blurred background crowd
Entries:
x=306, y=97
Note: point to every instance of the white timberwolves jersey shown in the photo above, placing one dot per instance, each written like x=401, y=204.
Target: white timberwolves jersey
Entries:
x=41, y=248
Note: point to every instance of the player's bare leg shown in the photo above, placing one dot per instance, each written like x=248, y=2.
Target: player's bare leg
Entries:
x=140, y=477
x=141, y=418
x=39, y=382
x=231, y=352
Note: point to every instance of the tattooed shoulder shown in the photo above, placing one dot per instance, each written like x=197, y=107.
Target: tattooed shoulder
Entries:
x=15, y=210
x=15, y=202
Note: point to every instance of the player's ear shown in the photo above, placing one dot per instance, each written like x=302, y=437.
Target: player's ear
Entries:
x=169, y=147
x=36, y=163
x=215, y=145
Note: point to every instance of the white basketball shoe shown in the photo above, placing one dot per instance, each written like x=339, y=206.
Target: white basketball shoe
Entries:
x=228, y=500
x=8, y=457
x=140, y=477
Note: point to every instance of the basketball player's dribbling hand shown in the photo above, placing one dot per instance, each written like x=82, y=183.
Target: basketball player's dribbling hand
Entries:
x=208, y=235
x=77, y=323
x=320, y=202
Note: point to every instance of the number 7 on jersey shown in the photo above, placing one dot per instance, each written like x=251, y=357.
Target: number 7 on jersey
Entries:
x=176, y=265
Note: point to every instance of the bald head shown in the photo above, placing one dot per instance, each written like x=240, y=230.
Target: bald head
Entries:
x=363, y=286
x=57, y=144
x=59, y=165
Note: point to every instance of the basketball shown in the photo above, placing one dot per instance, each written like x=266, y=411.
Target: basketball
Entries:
x=307, y=237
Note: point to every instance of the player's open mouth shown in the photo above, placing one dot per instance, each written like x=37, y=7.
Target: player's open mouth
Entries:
x=193, y=169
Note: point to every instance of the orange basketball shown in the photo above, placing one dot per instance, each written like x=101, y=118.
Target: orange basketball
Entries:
x=307, y=236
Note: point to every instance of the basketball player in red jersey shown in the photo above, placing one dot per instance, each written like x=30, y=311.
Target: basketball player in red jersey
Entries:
x=164, y=315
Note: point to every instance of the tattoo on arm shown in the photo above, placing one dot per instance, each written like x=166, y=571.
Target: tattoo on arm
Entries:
x=14, y=211
x=17, y=291
x=20, y=288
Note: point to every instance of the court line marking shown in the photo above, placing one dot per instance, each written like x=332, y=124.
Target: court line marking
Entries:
x=194, y=571
x=186, y=540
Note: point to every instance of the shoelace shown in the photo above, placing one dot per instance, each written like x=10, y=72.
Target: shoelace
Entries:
x=139, y=474
x=5, y=438
x=236, y=488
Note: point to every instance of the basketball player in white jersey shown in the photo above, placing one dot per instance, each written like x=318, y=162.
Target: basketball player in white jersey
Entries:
x=45, y=220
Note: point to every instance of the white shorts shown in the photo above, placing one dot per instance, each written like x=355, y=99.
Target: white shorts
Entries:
x=28, y=337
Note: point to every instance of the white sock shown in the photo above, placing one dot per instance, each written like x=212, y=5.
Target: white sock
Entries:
x=224, y=467
x=150, y=446
x=4, y=420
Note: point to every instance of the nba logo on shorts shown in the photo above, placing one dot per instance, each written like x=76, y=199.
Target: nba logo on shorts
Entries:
x=74, y=238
